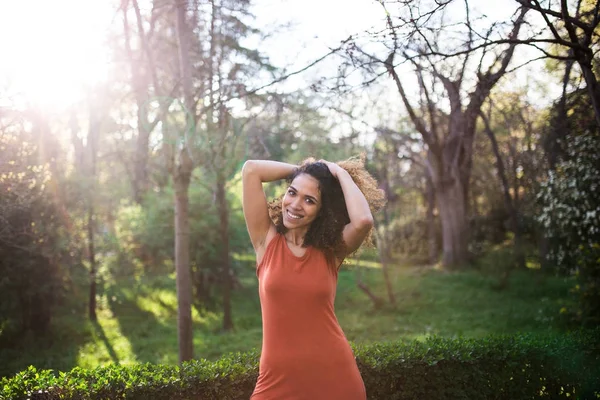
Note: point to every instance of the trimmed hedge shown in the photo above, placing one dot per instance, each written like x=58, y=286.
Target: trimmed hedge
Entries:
x=519, y=367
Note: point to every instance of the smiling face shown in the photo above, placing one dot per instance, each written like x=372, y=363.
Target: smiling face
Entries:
x=302, y=202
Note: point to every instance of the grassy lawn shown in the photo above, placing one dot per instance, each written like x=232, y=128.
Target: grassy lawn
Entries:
x=137, y=320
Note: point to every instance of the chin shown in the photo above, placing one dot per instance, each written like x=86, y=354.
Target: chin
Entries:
x=289, y=225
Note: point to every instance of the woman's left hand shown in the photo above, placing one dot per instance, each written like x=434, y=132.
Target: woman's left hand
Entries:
x=333, y=167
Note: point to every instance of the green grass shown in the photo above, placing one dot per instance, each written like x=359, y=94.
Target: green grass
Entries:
x=137, y=319
x=459, y=304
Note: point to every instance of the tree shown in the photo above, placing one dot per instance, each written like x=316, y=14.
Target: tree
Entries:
x=447, y=131
x=31, y=230
x=95, y=121
x=214, y=67
x=181, y=171
x=145, y=84
x=510, y=203
x=574, y=28
x=386, y=162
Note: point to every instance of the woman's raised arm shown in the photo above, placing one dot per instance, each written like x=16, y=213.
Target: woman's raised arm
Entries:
x=361, y=219
x=254, y=201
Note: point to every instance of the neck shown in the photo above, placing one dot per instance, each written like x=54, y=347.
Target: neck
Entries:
x=296, y=236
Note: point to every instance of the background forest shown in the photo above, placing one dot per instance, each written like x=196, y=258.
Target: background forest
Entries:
x=122, y=238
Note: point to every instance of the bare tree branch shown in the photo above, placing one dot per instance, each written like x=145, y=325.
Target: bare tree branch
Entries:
x=535, y=5
x=286, y=76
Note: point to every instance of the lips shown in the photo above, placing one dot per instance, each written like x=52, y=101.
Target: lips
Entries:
x=293, y=216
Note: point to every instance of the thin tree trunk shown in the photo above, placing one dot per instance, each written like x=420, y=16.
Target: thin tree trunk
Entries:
x=139, y=84
x=384, y=255
x=182, y=266
x=386, y=277
x=219, y=164
x=560, y=123
x=431, y=231
x=514, y=211
x=508, y=202
x=592, y=87
x=78, y=153
x=377, y=301
x=225, y=263
x=182, y=172
x=183, y=32
x=92, y=261
x=91, y=143
x=201, y=283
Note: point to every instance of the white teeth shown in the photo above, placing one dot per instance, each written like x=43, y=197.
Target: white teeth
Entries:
x=294, y=215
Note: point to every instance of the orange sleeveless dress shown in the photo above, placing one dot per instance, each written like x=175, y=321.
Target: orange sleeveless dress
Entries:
x=305, y=354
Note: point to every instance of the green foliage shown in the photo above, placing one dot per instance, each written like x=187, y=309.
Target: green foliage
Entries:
x=569, y=117
x=144, y=237
x=520, y=367
x=410, y=240
x=137, y=317
x=31, y=240
x=488, y=229
x=570, y=214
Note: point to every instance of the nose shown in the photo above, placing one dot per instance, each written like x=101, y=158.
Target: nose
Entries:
x=297, y=203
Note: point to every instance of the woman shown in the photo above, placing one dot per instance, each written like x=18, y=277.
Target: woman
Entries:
x=300, y=243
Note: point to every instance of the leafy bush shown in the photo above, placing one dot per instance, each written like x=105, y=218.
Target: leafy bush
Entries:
x=144, y=237
x=570, y=214
x=410, y=240
x=31, y=234
x=521, y=367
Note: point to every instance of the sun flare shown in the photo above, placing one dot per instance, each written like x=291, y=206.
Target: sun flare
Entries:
x=53, y=49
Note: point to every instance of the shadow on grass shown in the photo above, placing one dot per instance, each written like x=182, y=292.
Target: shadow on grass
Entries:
x=151, y=340
x=109, y=348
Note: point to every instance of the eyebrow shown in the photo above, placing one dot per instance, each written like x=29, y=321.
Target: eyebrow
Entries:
x=306, y=195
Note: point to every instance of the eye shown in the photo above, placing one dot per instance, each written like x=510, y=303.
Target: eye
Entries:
x=310, y=201
x=291, y=192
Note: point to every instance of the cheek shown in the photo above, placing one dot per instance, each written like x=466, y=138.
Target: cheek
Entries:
x=315, y=212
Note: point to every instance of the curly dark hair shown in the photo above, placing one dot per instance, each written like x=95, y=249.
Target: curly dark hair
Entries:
x=325, y=233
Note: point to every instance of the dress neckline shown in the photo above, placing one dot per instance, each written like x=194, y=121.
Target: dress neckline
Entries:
x=291, y=253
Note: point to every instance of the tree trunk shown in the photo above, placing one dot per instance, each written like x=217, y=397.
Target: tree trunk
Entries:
x=140, y=183
x=182, y=173
x=92, y=261
x=452, y=209
x=383, y=246
x=182, y=267
x=431, y=231
x=201, y=283
x=225, y=262
x=377, y=301
x=91, y=192
x=185, y=65
x=77, y=142
x=592, y=87
x=450, y=150
x=515, y=206
x=509, y=204
x=139, y=84
x=386, y=275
